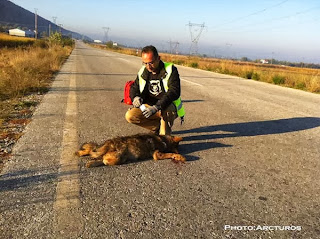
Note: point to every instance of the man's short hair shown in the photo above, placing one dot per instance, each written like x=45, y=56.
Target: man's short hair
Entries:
x=150, y=48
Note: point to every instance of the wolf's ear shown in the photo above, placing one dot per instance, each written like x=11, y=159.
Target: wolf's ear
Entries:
x=177, y=139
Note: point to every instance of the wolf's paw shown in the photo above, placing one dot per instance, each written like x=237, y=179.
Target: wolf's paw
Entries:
x=94, y=163
x=157, y=155
x=178, y=158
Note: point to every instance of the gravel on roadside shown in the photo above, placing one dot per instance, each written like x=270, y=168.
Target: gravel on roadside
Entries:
x=14, y=123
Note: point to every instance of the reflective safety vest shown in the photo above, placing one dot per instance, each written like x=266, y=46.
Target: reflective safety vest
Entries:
x=168, y=68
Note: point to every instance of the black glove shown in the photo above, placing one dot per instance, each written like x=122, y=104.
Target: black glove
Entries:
x=137, y=101
x=149, y=111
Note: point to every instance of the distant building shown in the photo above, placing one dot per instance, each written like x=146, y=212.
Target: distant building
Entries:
x=20, y=33
x=97, y=41
x=263, y=61
x=115, y=44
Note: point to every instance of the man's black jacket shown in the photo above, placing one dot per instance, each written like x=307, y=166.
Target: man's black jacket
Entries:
x=172, y=94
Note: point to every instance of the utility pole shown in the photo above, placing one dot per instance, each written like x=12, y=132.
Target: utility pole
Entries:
x=60, y=25
x=195, y=32
x=228, y=48
x=106, y=31
x=36, y=22
x=55, y=23
x=272, y=58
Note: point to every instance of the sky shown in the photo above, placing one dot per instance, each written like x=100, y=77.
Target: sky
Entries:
x=280, y=29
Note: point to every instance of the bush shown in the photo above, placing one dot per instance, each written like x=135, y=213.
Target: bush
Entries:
x=178, y=62
x=251, y=75
x=194, y=64
x=41, y=43
x=248, y=74
x=278, y=80
x=300, y=85
x=109, y=44
x=67, y=41
x=255, y=76
x=55, y=39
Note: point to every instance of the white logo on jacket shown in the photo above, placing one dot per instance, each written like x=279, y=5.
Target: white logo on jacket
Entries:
x=155, y=87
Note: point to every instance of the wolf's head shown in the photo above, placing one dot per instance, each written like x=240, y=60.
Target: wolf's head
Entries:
x=172, y=143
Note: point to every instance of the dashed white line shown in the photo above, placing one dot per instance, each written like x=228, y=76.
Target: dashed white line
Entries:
x=123, y=59
x=190, y=82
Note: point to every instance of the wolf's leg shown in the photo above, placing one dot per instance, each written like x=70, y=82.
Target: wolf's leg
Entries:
x=176, y=157
x=94, y=163
x=111, y=158
x=99, y=151
x=85, y=149
x=167, y=117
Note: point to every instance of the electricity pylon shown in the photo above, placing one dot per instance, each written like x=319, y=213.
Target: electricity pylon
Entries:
x=174, y=47
x=195, y=32
x=106, y=31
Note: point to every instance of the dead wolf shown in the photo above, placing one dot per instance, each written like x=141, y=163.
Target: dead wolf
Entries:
x=127, y=149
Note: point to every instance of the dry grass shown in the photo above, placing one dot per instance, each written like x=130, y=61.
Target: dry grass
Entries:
x=298, y=78
x=28, y=69
x=128, y=51
x=14, y=41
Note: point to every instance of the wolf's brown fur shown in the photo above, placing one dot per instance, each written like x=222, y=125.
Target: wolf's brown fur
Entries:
x=132, y=148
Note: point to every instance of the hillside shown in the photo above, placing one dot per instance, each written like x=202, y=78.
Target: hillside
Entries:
x=13, y=16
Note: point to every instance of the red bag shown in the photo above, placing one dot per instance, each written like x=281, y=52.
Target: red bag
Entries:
x=127, y=99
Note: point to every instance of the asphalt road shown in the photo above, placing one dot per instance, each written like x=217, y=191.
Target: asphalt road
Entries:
x=252, y=149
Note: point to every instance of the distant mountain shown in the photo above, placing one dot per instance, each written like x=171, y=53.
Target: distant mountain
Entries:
x=14, y=16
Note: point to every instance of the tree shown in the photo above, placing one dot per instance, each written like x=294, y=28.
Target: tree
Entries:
x=109, y=44
x=245, y=59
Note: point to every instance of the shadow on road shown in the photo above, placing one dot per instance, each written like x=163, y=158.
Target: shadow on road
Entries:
x=95, y=74
x=14, y=185
x=270, y=127
x=82, y=89
x=26, y=178
x=192, y=101
x=94, y=55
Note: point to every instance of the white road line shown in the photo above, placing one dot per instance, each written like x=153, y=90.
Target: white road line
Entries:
x=123, y=59
x=190, y=82
x=68, y=217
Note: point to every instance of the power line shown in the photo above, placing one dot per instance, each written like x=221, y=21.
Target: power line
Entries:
x=251, y=14
x=271, y=20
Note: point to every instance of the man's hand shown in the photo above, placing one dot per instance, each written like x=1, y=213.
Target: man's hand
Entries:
x=149, y=111
x=137, y=101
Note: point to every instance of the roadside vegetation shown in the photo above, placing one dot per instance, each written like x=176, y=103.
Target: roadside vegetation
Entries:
x=13, y=41
x=27, y=67
x=295, y=77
